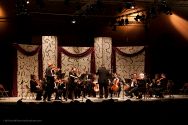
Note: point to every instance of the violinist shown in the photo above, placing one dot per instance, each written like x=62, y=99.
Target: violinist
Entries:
x=133, y=85
x=59, y=88
x=49, y=75
x=160, y=84
x=35, y=86
x=72, y=85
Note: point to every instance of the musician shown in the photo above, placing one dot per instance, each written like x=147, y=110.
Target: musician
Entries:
x=72, y=90
x=35, y=87
x=159, y=85
x=133, y=86
x=103, y=78
x=78, y=81
x=142, y=82
x=58, y=73
x=87, y=85
x=94, y=85
x=59, y=89
x=115, y=86
x=49, y=75
x=84, y=83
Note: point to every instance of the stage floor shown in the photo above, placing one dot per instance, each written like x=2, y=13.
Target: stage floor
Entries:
x=93, y=99
x=165, y=111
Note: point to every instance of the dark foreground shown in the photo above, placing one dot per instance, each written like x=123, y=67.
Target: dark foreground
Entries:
x=160, y=112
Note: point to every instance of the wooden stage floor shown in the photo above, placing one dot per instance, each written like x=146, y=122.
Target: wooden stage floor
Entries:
x=160, y=111
x=93, y=99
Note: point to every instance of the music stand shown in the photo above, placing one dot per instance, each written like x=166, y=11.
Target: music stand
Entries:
x=66, y=90
x=83, y=76
x=22, y=90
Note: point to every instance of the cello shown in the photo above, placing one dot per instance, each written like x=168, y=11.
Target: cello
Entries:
x=115, y=86
x=95, y=83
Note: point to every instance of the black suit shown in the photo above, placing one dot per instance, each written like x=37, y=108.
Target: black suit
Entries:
x=50, y=84
x=103, y=74
x=35, y=89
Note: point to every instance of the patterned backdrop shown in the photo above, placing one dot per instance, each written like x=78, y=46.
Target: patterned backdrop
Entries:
x=103, y=51
x=49, y=51
x=27, y=65
x=126, y=65
x=68, y=62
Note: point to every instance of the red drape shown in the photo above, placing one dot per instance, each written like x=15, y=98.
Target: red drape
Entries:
x=14, y=88
x=80, y=55
x=32, y=53
x=24, y=52
x=116, y=50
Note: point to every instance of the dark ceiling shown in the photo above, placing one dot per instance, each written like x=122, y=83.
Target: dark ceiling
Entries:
x=94, y=17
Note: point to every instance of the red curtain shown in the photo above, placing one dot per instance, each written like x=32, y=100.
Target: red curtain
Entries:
x=80, y=55
x=116, y=50
x=24, y=52
x=32, y=53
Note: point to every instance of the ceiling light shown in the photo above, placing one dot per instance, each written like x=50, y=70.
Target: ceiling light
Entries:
x=73, y=21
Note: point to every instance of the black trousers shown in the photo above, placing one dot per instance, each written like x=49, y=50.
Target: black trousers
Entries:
x=49, y=89
x=103, y=90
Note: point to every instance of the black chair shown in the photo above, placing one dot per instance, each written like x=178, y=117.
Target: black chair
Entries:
x=184, y=89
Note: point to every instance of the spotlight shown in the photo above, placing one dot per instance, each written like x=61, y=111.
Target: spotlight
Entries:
x=22, y=7
x=73, y=21
x=129, y=5
x=27, y=2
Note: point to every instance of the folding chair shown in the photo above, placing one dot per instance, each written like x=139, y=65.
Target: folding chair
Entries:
x=3, y=92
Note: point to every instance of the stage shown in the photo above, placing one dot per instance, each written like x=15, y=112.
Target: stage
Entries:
x=92, y=99
x=162, y=111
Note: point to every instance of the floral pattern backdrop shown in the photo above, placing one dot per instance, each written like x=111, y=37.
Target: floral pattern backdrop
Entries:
x=126, y=65
x=83, y=63
x=49, y=51
x=103, y=51
x=27, y=65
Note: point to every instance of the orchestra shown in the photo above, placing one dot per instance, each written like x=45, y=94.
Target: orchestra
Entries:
x=78, y=84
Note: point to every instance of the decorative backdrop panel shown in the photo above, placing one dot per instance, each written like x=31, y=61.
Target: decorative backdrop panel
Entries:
x=27, y=65
x=49, y=51
x=103, y=51
x=126, y=65
x=82, y=63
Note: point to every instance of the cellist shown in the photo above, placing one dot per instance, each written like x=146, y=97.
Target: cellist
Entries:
x=115, y=87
